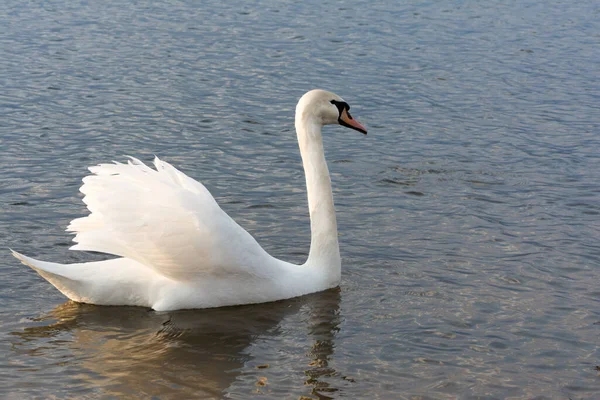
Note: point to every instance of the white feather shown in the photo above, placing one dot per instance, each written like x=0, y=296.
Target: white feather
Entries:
x=178, y=249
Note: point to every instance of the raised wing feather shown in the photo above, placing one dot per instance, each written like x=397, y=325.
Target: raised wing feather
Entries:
x=163, y=219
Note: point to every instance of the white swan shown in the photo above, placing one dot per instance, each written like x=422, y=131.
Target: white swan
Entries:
x=178, y=249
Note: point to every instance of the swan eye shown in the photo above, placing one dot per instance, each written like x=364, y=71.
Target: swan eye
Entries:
x=341, y=106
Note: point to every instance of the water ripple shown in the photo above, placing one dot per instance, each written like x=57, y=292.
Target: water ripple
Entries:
x=468, y=216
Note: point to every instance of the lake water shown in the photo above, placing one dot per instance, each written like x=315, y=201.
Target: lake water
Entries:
x=469, y=217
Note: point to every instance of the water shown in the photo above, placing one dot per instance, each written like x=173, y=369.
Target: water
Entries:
x=469, y=216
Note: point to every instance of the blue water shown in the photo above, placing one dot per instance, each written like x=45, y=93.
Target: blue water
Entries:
x=469, y=216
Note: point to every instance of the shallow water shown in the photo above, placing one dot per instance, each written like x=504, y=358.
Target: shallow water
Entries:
x=469, y=216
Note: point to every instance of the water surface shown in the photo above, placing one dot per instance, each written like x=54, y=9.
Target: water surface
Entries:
x=469, y=217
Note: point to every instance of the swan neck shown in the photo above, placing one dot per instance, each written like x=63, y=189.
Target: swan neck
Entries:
x=324, y=249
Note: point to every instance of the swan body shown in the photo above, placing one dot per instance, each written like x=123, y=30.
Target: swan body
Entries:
x=177, y=249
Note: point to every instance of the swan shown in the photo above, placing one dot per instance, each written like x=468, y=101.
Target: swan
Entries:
x=177, y=249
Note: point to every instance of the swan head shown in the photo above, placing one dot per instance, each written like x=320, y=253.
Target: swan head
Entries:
x=328, y=109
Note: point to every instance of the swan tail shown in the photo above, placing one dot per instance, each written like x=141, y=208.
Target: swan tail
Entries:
x=56, y=274
x=118, y=281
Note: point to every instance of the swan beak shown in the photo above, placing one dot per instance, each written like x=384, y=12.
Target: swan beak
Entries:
x=347, y=120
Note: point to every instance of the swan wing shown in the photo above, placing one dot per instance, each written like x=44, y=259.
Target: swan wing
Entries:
x=163, y=219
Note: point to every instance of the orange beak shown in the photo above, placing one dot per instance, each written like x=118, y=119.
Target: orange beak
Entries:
x=347, y=120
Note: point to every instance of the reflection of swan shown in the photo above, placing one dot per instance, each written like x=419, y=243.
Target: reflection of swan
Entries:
x=180, y=250
x=132, y=353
